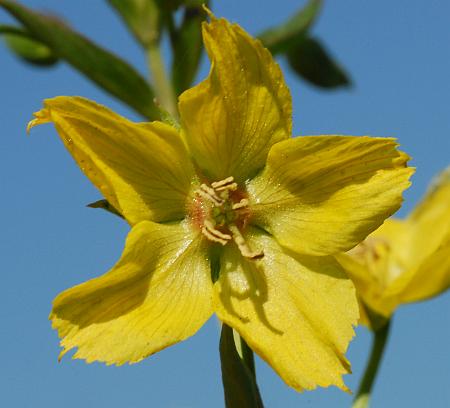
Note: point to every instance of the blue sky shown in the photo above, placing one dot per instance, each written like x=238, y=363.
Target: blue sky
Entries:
x=399, y=58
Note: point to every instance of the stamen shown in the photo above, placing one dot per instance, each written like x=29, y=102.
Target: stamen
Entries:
x=213, y=234
x=242, y=245
x=228, y=187
x=241, y=204
x=212, y=237
x=225, y=184
x=211, y=228
x=209, y=193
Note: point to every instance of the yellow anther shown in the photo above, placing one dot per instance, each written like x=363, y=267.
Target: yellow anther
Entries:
x=223, y=182
x=211, y=228
x=209, y=193
x=241, y=204
x=228, y=187
x=213, y=234
x=212, y=237
x=242, y=245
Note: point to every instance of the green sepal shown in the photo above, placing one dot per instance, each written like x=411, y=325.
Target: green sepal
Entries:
x=105, y=205
x=238, y=377
x=102, y=67
x=27, y=48
x=311, y=61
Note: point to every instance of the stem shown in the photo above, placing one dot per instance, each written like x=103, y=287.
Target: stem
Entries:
x=245, y=352
x=163, y=86
x=238, y=371
x=379, y=343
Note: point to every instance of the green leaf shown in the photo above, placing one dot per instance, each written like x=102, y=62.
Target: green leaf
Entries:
x=26, y=48
x=102, y=67
x=239, y=383
x=187, y=48
x=280, y=38
x=310, y=60
x=142, y=18
x=105, y=205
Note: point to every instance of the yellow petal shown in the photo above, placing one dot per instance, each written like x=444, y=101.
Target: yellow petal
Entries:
x=143, y=170
x=430, y=278
x=369, y=288
x=430, y=221
x=376, y=263
x=319, y=195
x=232, y=118
x=158, y=294
x=426, y=252
x=295, y=311
x=363, y=315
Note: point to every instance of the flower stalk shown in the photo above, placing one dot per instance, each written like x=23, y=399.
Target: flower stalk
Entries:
x=362, y=397
x=238, y=371
x=163, y=86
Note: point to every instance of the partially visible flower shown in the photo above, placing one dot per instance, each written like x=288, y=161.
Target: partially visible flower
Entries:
x=404, y=260
x=229, y=215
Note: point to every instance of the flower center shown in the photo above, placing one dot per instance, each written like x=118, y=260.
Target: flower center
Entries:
x=221, y=211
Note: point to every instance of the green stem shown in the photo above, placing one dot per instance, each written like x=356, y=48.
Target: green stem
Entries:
x=246, y=353
x=163, y=87
x=379, y=343
x=238, y=371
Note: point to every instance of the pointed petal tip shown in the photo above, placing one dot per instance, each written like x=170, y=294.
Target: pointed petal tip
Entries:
x=40, y=117
x=62, y=353
x=346, y=389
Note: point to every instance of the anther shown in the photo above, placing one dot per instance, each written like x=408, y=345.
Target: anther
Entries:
x=225, y=184
x=211, y=228
x=241, y=204
x=209, y=193
x=214, y=234
x=212, y=237
x=228, y=187
x=242, y=245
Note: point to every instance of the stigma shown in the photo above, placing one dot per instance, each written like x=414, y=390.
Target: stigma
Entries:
x=221, y=211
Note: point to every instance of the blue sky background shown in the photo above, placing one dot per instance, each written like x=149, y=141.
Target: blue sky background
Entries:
x=398, y=55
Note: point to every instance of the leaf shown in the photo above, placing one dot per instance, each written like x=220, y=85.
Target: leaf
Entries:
x=102, y=67
x=306, y=55
x=26, y=48
x=105, y=205
x=187, y=48
x=311, y=61
x=280, y=38
x=239, y=385
x=141, y=17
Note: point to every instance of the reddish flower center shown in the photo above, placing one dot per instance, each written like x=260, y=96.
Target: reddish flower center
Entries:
x=221, y=211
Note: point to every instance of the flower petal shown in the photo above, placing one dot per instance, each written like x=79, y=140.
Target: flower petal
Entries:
x=369, y=287
x=320, y=195
x=377, y=263
x=295, y=311
x=430, y=220
x=232, y=118
x=431, y=278
x=158, y=294
x=143, y=170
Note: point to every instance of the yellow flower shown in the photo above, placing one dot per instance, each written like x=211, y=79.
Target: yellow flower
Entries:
x=404, y=260
x=228, y=215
